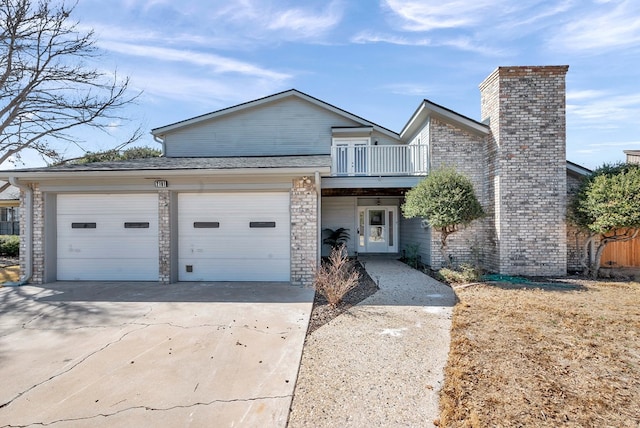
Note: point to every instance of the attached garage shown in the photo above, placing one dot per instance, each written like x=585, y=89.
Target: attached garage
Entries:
x=234, y=237
x=107, y=237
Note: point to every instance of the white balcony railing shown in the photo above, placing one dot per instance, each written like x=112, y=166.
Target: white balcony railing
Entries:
x=367, y=160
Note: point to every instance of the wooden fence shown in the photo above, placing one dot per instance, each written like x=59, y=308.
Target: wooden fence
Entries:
x=622, y=254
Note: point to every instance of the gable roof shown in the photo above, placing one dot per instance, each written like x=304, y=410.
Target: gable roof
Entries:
x=577, y=169
x=158, y=132
x=428, y=109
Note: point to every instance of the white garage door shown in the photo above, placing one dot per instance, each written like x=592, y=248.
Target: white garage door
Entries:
x=234, y=237
x=107, y=237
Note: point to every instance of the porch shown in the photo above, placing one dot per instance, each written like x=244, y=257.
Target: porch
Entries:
x=357, y=158
x=375, y=225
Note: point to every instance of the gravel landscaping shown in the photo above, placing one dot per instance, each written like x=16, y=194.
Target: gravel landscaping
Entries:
x=380, y=363
x=323, y=313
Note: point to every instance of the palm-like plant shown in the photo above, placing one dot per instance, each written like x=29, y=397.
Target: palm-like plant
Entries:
x=336, y=238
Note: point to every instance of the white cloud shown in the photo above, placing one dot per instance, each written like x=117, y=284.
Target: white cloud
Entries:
x=613, y=25
x=370, y=37
x=306, y=23
x=259, y=17
x=585, y=94
x=412, y=89
x=602, y=110
x=461, y=43
x=427, y=15
x=486, y=27
x=217, y=63
x=607, y=148
x=202, y=93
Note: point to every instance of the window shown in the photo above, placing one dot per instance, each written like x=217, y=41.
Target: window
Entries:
x=9, y=221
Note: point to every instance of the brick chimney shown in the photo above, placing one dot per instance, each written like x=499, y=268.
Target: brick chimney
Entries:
x=526, y=172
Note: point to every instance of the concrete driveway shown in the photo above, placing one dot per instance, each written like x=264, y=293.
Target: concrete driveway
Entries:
x=145, y=354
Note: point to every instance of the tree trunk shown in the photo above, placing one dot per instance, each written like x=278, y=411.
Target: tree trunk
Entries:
x=586, y=256
x=595, y=269
x=444, y=234
x=604, y=240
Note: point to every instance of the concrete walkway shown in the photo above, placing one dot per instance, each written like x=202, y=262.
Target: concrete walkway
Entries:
x=381, y=363
x=144, y=354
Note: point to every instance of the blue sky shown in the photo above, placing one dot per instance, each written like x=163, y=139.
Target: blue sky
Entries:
x=376, y=59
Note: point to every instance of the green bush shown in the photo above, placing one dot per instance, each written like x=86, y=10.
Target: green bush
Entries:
x=10, y=245
x=464, y=275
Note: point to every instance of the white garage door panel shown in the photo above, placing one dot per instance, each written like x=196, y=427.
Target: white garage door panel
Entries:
x=109, y=252
x=234, y=251
x=126, y=269
x=236, y=270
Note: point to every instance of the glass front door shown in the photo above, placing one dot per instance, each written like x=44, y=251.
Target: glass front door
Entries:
x=377, y=230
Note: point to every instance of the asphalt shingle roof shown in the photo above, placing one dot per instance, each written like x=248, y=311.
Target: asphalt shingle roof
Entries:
x=163, y=164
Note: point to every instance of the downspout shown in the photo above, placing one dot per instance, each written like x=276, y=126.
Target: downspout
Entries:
x=28, y=233
x=319, y=217
x=160, y=141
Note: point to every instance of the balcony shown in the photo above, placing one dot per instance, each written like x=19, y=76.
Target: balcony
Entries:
x=363, y=160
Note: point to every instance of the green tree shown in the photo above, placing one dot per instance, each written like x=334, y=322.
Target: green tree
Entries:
x=115, y=155
x=446, y=199
x=47, y=87
x=607, y=207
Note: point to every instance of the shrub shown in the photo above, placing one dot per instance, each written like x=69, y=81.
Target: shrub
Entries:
x=336, y=276
x=464, y=275
x=10, y=245
x=412, y=255
x=446, y=199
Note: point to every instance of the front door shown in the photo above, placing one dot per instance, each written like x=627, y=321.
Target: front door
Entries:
x=378, y=229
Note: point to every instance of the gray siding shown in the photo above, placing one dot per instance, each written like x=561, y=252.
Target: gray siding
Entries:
x=422, y=136
x=290, y=126
x=383, y=139
x=412, y=233
x=340, y=212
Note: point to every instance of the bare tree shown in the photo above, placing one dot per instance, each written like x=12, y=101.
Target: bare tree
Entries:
x=46, y=86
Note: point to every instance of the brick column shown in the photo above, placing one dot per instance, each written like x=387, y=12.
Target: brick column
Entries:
x=164, y=236
x=37, y=228
x=304, y=230
x=527, y=168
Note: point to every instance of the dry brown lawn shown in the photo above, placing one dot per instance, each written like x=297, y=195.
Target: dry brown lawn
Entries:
x=544, y=357
x=10, y=273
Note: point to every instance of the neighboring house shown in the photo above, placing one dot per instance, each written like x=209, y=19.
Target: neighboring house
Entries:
x=243, y=193
x=9, y=209
x=633, y=156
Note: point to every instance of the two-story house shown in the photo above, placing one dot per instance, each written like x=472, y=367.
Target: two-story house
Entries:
x=244, y=193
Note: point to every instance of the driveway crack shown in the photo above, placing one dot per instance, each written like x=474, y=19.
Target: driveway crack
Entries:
x=150, y=408
x=3, y=405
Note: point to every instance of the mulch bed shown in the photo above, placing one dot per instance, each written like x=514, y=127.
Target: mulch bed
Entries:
x=322, y=313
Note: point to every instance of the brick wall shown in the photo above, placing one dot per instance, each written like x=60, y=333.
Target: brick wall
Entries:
x=304, y=231
x=453, y=147
x=526, y=173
